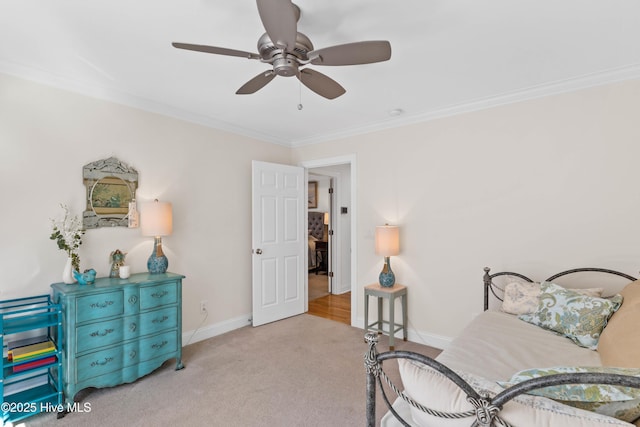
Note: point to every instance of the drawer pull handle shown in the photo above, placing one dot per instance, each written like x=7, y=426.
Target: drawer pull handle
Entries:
x=101, y=305
x=101, y=334
x=133, y=299
x=99, y=363
x=159, y=294
x=133, y=354
x=159, y=346
x=160, y=320
x=133, y=327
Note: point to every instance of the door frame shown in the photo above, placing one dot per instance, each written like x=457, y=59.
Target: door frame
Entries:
x=334, y=161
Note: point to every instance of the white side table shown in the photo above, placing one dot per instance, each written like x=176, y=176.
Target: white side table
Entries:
x=380, y=292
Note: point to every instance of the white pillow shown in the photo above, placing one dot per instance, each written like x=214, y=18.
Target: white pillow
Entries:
x=520, y=297
x=433, y=390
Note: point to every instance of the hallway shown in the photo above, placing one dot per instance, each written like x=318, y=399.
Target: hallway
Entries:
x=323, y=304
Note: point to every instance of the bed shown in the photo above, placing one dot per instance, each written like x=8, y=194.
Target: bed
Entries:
x=473, y=381
x=315, y=234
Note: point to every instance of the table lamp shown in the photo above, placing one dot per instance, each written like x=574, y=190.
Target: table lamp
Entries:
x=387, y=244
x=156, y=219
x=325, y=230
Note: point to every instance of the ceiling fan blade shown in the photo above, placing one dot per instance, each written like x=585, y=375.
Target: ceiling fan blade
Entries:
x=256, y=83
x=216, y=50
x=280, y=21
x=352, y=53
x=320, y=84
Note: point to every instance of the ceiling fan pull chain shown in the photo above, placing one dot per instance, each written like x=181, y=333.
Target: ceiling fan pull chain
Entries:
x=300, y=92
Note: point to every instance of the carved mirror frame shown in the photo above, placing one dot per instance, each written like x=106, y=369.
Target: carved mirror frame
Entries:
x=110, y=185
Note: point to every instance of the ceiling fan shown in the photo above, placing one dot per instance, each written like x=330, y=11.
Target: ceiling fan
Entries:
x=288, y=50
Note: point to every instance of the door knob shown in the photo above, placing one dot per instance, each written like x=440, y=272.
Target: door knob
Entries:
x=259, y=251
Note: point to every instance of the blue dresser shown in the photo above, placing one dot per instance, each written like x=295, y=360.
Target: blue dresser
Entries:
x=118, y=330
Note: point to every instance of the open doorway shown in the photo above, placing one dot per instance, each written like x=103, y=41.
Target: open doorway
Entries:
x=330, y=279
x=320, y=235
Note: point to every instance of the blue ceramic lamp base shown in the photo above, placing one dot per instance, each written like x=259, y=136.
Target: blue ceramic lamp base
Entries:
x=157, y=262
x=387, y=279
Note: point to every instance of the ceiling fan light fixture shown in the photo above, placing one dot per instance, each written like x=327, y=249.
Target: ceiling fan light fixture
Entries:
x=285, y=67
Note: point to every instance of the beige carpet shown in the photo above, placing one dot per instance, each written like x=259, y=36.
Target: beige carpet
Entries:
x=301, y=371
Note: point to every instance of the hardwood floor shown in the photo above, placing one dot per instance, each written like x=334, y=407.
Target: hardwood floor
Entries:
x=333, y=307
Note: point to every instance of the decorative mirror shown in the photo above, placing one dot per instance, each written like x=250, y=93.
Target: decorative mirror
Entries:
x=111, y=185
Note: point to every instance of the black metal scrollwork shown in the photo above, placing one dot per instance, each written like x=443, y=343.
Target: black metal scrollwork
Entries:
x=159, y=294
x=102, y=363
x=486, y=412
x=159, y=320
x=370, y=360
x=101, y=334
x=159, y=346
x=101, y=305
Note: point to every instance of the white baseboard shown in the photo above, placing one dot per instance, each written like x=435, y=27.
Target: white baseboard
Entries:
x=418, y=337
x=210, y=331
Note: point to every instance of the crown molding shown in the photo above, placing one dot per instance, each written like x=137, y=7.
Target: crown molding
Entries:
x=615, y=75
x=585, y=81
x=129, y=100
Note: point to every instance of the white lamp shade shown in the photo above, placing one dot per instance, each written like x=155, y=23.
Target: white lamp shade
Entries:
x=156, y=219
x=387, y=240
x=326, y=218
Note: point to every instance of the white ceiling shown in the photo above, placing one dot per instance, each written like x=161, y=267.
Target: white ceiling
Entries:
x=448, y=56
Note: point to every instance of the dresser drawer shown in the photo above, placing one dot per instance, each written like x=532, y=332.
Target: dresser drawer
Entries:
x=99, y=306
x=99, y=363
x=159, y=295
x=115, y=358
x=158, y=320
x=157, y=345
x=99, y=334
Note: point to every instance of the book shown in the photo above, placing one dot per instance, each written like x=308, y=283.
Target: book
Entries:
x=34, y=364
x=27, y=341
x=27, y=351
x=34, y=355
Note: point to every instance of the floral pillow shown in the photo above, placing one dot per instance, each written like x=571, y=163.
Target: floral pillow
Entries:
x=580, y=318
x=523, y=297
x=611, y=400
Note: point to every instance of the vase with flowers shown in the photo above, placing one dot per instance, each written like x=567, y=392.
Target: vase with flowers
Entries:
x=68, y=235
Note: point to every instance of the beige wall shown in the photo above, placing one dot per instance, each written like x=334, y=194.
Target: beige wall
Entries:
x=537, y=187
x=47, y=135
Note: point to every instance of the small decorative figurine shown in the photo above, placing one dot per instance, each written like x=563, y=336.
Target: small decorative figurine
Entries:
x=86, y=278
x=117, y=260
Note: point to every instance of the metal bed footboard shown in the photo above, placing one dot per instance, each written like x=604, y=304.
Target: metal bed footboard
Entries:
x=486, y=409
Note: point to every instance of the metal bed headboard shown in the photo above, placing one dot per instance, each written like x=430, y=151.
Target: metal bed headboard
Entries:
x=489, y=286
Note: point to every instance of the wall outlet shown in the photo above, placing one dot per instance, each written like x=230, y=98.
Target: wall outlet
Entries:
x=203, y=307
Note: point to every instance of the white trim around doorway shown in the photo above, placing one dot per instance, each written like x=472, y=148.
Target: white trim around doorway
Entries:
x=333, y=161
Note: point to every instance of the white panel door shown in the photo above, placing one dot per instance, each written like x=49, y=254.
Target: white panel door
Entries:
x=279, y=241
